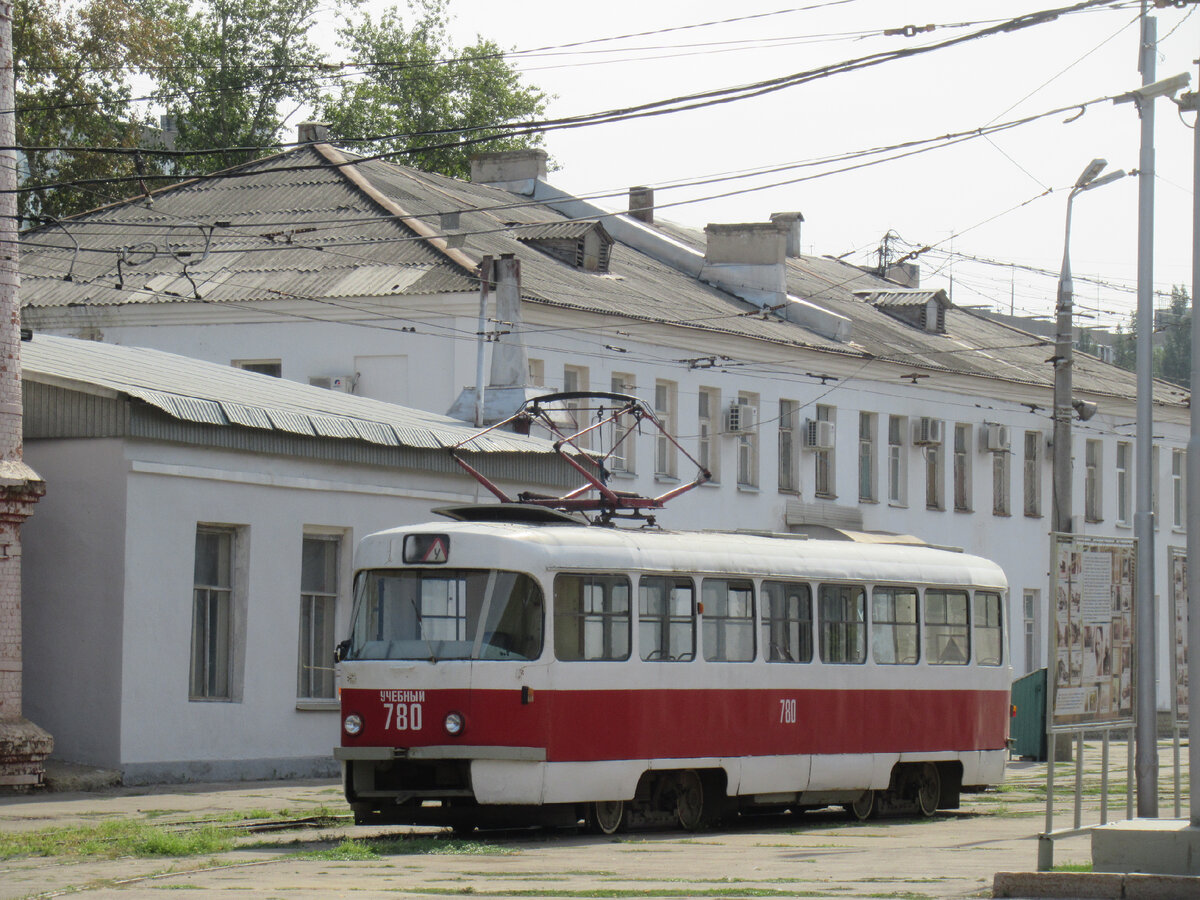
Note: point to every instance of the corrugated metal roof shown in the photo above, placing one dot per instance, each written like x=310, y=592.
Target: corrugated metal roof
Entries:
x=548, y=231
x=313, y=234
x=911, y=297
x=202, y=392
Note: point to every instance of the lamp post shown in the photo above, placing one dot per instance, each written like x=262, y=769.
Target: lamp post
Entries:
x=1064, y=354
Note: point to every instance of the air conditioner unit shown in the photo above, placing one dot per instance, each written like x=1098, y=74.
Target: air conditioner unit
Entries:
x=740, y=418
x=344, y=383
x=818, y=435
x=995, y=438
x=927, y=431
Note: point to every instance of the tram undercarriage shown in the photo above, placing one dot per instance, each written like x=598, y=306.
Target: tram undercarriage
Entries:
x=439, y=792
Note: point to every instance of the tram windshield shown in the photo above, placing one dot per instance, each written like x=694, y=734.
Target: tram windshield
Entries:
x=443, y=613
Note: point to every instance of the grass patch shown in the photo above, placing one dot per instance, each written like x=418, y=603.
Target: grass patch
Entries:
x=118, y=838
x=408, y=845
x=1073, y=867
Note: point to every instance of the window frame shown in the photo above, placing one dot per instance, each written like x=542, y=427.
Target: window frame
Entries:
x=662, y=623
x=853, y=631
x=939, y=633
x=214, y=619
x=716, y=627
x=891, y=626
x=610, y=620
x=313, y=680
x=786, y=625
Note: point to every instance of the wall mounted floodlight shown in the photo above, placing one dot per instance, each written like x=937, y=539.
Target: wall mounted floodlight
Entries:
x=1163, y=88
x=1085, y=409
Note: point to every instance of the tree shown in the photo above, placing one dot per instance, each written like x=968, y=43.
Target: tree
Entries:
x=1174, y=363
x=1125, y=346
x=73, y=64
x=419, y=91
x=240, y=61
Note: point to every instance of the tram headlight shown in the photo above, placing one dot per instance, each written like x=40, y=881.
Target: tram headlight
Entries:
x=454, y=723
x=353, y=724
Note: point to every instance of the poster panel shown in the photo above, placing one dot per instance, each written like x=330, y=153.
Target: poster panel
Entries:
x=1177, y=566
x=1091, y=643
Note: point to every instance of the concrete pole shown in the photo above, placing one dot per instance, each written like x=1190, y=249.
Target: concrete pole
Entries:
x=1146, y=668
x=1063, y=358
x=1192, y=503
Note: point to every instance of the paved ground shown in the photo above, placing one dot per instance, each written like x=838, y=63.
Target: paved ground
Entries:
x=300, y=843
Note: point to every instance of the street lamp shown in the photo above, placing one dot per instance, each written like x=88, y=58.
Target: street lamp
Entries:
x=1064, y=355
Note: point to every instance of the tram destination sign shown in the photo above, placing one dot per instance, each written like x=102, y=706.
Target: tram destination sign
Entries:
x=1091, y=643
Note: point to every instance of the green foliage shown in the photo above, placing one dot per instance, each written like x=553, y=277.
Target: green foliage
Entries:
x=1125, y=346
x=115, y=839
x=415, y=82
x=239, y=61
x=406, y=845
x=1174, y=362
x=73, y=63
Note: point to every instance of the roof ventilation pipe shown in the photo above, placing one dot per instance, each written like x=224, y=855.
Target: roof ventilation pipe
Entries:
x=791, y=221
x=749, y=260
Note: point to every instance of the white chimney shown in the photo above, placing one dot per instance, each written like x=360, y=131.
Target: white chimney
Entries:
x=641, y=204
x=513, y=170
x=791, y=221
x=312, y=133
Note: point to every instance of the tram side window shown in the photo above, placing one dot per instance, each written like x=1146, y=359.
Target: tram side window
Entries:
x=843, y=613
x=988, y=642
x=894, y=626
x=666, y=618
x=787, y=622
x=947, y=635
x=728, y=619
x=591, y=617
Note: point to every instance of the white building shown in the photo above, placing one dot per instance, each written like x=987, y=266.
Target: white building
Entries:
x=860, y=401
x=188, y=575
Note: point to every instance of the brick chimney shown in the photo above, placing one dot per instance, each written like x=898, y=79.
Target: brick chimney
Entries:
x=791, y=221
x=641, y=204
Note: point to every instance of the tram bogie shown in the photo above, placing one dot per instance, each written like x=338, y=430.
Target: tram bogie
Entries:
x=502, y=674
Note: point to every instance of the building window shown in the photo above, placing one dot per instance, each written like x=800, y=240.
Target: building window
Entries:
x=665, y=393
x=622, y=441
x=787, y=621
x=1033, y=473
x=591, y=617
x=789, y=446
x=318, y=615
x=1001, y=462
x=748, y=441
x=666, y=618
x=708, y=407
x=728, y=620
x=1124, y=483
x=947, y=639
x=934, y=468
x=843, y=617
x=989, y=648
x=212, y=614
x=1092, y=508
x=272, y=367
x=575, y=378
x=868, y=490
x=537, y=373
x=1032, y=632
x=897, y=462
x=823, y=474
x=962, y=468
x=1178, y=488
x=895, y=639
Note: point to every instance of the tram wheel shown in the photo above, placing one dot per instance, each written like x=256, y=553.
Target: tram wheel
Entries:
x=929, y=789
x=689, y=800
x=864, y=807
x=608, y=816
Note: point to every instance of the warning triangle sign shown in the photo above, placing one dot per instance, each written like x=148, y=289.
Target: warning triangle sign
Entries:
x=436, y=552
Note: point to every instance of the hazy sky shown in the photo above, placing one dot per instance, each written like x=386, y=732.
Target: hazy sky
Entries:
x=961, y=197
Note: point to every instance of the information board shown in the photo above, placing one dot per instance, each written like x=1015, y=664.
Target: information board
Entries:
x=1091, y=643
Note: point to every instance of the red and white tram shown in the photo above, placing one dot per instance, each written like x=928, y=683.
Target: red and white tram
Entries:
x=503, y=672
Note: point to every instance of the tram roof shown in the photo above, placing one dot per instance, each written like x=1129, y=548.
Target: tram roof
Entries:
x=573, y=547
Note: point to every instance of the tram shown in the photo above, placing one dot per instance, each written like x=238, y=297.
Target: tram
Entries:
x=510, y=665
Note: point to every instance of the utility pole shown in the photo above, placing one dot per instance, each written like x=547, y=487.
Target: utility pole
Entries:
x=23, y=745
x=1146, y=668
